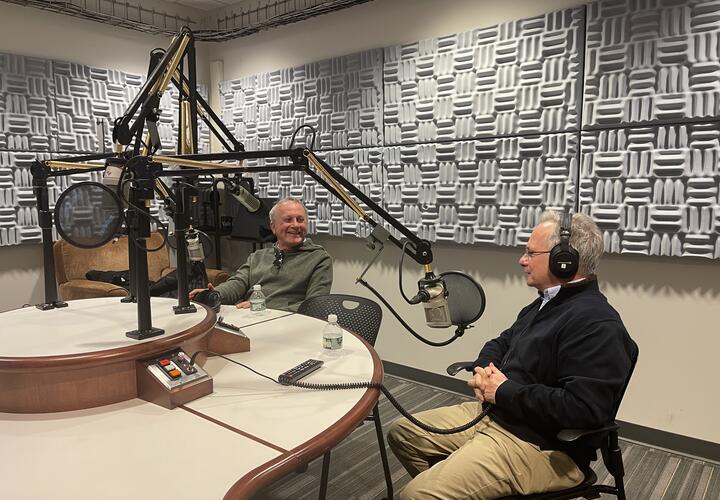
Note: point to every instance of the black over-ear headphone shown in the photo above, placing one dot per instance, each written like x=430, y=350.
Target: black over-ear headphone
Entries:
x=564, y=259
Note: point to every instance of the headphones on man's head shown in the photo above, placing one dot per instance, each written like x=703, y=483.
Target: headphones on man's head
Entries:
x=564, y=259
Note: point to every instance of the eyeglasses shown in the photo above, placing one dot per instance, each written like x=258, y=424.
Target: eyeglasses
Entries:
x=530, y=254
x=279, y=257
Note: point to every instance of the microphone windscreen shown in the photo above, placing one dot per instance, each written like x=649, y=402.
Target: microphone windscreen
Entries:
x=437, y=312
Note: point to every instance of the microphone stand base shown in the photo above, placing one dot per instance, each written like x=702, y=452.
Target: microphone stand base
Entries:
x=190, y=308
x=128, y=299
x=51, y=305
x=144, y=334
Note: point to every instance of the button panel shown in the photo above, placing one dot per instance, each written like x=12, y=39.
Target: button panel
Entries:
x=174, y=369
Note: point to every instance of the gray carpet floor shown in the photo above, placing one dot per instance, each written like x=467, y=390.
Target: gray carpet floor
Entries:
x=356, y=471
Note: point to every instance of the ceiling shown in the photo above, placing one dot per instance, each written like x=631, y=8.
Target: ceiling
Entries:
x=210, y=5
x=210, y=20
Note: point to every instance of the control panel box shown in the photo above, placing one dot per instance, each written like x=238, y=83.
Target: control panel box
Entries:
x=171, y=379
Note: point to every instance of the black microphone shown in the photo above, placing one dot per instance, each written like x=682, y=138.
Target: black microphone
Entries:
x=210, y=298
x=246, y=198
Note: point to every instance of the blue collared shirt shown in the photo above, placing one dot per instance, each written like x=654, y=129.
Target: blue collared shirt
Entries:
x=548, y=294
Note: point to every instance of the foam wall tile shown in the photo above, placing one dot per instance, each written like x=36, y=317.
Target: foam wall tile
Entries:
x=654, y=190
x=27, y=110
x=514, y=78
x=481, y=191
x=88, y=100
x=651, y=62
x=340, y=97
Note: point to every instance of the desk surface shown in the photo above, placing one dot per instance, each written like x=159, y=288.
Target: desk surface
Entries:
x=87, y=326
x=243, y=436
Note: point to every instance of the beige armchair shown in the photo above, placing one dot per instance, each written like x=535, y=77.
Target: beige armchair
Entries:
x=71, y=264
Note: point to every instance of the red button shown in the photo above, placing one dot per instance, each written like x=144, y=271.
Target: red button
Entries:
x=164, y=362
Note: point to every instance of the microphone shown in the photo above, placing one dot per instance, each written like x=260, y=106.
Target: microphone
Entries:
x=111, y=178
x=246, y=198
x=194, y=246
x=113, y=170
x=432, y=292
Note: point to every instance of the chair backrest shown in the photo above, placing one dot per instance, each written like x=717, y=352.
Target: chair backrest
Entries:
x=358, y=314
x=634, y=353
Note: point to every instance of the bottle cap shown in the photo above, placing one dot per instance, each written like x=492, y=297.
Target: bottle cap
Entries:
x=332, y=318
x=257, y=287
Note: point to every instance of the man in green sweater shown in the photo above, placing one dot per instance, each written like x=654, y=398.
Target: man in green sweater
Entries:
x=293, y=270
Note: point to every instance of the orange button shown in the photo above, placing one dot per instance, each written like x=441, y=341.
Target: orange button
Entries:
x=174, y=373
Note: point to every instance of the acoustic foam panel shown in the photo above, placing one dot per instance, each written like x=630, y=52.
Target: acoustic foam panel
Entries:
x=53, y=109
x=519, y=77
x=652, y=61
x=340, y=97
x=654, y=190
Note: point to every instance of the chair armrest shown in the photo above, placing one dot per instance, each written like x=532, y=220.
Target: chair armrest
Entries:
x=86, y=289
x=165, y=271
x=571, y=435
x=460, y=365
x=216, y=276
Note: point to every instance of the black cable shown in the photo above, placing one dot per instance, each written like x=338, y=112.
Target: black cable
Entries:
x=402, y=321
x=396, y=404
x=361, y=385
x=162, y=229
x=304, y=125
x=192, y=362
x=400, y=269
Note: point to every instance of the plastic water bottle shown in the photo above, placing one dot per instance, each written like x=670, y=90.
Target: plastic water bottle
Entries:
x=332, y=336
x=257, y=300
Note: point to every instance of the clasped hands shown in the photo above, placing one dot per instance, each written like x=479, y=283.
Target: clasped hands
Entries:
x=485, y=382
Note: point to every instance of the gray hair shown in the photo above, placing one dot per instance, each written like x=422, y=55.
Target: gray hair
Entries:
x=289, y=199
x=585, y=237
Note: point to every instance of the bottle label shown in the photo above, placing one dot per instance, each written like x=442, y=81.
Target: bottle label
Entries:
x=332, y=343
x=258, y=306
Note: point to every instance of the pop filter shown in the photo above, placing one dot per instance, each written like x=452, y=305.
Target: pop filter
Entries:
x=466, y=298
x=88, y=215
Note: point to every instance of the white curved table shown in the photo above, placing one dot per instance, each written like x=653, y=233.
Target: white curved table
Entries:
x=229, y=444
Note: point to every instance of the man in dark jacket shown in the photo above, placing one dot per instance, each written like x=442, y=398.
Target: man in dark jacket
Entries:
x=562, y=364
x=293, y=270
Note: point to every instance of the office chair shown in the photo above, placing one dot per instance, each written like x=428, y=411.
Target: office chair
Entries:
x=609, y=449
x=363, y=317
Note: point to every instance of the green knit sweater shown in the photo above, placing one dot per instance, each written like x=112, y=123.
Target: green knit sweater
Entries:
x=306, y=272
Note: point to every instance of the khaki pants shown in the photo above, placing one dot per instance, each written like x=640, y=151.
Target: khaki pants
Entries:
x=483, y=462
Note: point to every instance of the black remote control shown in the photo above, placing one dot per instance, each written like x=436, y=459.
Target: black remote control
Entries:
x=300, y=371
